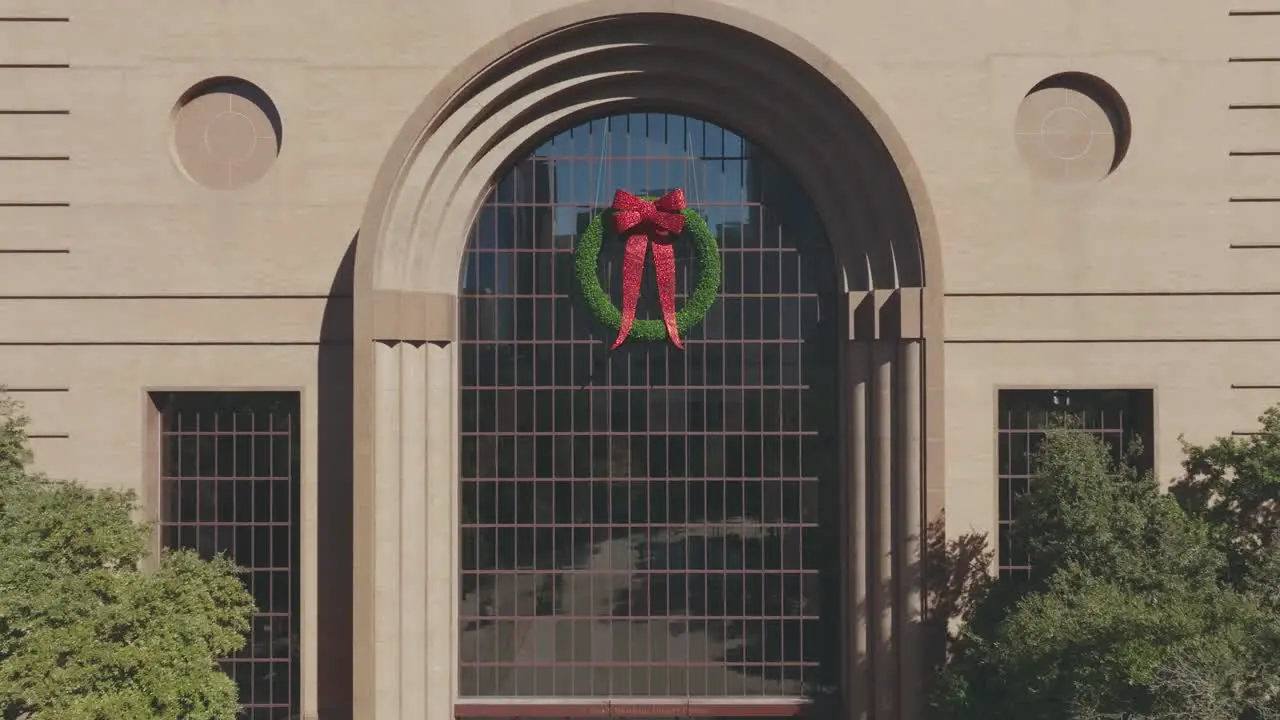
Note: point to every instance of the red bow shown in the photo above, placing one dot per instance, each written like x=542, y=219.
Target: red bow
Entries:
x=665, y=217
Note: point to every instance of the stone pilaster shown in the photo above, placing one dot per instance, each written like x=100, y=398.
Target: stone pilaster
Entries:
x=911, y=530
x=884, y=415
x=414, y=548
x=855, y=604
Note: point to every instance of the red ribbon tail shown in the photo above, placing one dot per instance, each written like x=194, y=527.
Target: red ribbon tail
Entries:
x=632, y=274
x=664, y=263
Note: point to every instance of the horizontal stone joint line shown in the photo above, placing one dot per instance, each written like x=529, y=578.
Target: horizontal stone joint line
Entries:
x=1115, y=294
x=186, y=296
x=1092, y=341
x=176, y=343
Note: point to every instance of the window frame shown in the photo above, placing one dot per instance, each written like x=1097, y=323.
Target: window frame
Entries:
x=154, y=400
x=998, y=522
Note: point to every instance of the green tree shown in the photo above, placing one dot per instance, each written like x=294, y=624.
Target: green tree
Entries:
x=85, y=632
x=1130, y=610
x=1233, y=484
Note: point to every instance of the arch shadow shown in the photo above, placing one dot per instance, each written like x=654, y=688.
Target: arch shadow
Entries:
x=334, y=460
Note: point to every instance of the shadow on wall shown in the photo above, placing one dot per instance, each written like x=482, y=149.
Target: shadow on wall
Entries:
x=957, y=574
x=334, y=463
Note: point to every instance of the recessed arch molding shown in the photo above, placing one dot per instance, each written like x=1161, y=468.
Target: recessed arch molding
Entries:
x=591, y=59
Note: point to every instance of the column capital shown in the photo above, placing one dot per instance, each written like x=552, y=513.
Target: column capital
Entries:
x=885, y=314
x=412, y=316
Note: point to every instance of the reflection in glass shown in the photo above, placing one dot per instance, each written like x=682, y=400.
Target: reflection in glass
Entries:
x=647, y=522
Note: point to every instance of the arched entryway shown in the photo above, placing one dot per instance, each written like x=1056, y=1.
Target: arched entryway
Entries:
x=412, y=357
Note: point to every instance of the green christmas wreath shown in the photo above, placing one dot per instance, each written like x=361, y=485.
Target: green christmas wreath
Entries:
x=706, y=253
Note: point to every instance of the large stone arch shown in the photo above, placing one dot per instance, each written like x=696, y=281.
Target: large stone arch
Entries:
x=589, y=59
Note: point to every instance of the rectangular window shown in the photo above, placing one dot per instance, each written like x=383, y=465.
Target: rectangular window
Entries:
x=1116, y=416
x=229, y=484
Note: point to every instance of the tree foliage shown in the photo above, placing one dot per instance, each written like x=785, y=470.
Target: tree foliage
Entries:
x=85, y=632
x=1233, y=484
x=1140, y=603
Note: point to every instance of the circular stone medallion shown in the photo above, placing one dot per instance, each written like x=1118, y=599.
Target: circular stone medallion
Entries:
x=1072, y=128
x=226, y=133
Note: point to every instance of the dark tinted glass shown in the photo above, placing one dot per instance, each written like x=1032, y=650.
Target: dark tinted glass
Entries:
x=647, y=521
x=1118, y=417
x=229, y=484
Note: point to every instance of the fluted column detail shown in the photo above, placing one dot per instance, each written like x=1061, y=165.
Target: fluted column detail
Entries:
x=885, y=669
x=440, y=553
x=884, y=417
x=857, y=660
x=413, y=537
x=910, y=536
x=387, y=481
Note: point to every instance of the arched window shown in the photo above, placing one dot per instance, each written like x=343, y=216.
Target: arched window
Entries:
x=648, y=522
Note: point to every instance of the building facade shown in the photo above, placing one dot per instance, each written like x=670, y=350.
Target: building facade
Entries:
x=303, y=275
